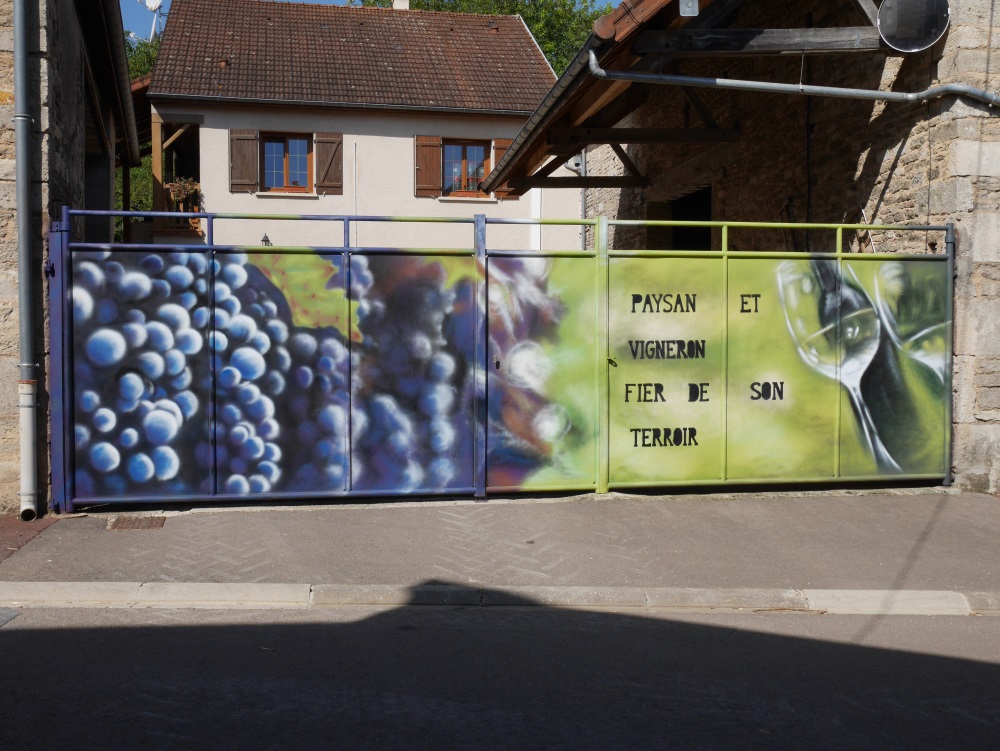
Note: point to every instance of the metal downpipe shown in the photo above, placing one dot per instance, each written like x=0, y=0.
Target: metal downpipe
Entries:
x=956, y=89
x=27, y=384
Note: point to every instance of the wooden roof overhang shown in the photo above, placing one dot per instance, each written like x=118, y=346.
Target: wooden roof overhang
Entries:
x=106, y=72
x=642, y=36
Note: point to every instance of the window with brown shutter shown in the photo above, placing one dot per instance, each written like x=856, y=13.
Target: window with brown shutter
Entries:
x=286, y=162
x=330, y=163
x=243, y=159
x=427, y=161
x=500, y=146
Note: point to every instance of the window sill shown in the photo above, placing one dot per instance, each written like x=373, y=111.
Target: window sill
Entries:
x=467, y=199
x=290, y=194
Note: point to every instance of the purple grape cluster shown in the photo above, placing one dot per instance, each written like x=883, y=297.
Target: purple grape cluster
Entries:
x=139, y=320
x=175, y=395
x=249, y=361
x=408, y=384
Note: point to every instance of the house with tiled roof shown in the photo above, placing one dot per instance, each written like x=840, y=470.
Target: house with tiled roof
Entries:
x=296, y=108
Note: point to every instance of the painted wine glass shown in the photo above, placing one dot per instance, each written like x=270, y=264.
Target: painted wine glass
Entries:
x=913, y=305
x=818, y=303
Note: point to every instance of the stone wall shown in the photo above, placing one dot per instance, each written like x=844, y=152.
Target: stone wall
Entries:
x=816, y=159
x=55, y=75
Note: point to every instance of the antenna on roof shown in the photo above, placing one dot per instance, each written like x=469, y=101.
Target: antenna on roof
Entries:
x=154, y=6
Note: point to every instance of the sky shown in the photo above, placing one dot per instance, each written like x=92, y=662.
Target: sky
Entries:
x=137, y=19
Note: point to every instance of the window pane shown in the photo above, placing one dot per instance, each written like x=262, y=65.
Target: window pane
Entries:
x=274, y=164
x=298, y=162
x=476, y=156
x=452, y=168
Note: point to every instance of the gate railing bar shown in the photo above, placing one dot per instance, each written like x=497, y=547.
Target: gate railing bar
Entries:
x=541, y=253
x=777, y=255
x=480, y=365
x=61, y=386
x=213, y=418
x=603, y=327
x=950, y=248
x=725, y=366
x=779, y=225
x=707, y=483
x=289, y=496
x=347, y=442
x=546, y=222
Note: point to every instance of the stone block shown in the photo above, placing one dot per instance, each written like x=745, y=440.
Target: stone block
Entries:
x=987, y=365
x=973, y=482
x=968, y=37
x=986, y=279
x=987, y=399
x=976, y=446
x=987, y=380
x=963, y=388
x=952, y=196
x=981, y=236
x=975, y=158
x=964, y=65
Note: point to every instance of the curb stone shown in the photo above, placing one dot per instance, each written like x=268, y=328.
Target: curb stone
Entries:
x=222, y=596
x=165, y=595
x=984, y=603
x=887, y=602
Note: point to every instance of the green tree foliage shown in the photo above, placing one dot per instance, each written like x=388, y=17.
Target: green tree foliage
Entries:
x=141, y=55
x=559, y=26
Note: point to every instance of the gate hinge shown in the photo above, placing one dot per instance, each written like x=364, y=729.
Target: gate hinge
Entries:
x=50, y=269
x=59, y=226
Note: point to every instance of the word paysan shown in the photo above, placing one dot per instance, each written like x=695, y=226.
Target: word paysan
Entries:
x=666, y=303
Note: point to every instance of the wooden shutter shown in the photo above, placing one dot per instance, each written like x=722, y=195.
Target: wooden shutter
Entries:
x=427, y=162
x=500, y=146
x=330, y=163
x=243, y=160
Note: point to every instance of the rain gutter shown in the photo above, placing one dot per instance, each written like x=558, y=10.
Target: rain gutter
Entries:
x=949, y=89
x=215, y=99
x=116, y=34
x=27, y=384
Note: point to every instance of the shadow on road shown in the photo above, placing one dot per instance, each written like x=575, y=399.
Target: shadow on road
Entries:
x=437, y=678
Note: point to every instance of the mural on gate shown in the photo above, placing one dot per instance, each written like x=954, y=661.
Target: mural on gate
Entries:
x=253, y=372
x=753, y=386
x=270, y=389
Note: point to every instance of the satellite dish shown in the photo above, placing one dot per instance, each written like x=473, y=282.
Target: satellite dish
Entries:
x=913, y=25
x=153, y=4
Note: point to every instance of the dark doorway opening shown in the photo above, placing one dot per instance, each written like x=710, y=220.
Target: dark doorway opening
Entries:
x=694, y=207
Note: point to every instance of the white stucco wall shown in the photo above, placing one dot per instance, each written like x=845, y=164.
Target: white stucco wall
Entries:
x=378, y=181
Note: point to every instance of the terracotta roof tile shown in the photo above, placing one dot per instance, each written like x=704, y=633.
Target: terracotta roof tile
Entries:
x=323, y=54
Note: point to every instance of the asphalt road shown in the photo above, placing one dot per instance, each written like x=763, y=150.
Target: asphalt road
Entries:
x=442, y=678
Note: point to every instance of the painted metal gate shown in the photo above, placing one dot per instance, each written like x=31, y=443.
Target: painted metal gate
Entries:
x=198, y=372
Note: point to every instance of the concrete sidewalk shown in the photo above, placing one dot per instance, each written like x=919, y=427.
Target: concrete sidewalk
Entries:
x=932, y=551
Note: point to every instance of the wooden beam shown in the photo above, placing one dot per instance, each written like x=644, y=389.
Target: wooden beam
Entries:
x=170, y=141
x=626, y=160
x=588, y=107
x=159, y=204
x=641, y=135
x=740, y=42
x=621, y=108
x=868, y=9
x=527, y=183
x=706, y=117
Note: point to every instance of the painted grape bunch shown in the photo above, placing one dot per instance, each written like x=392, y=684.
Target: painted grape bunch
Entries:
x=151, y=419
